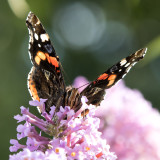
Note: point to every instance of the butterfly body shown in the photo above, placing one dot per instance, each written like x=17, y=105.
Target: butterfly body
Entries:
x=46, y=80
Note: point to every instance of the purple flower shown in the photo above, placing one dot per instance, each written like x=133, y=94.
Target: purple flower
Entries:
x=26, y=154
x=15, y=146
x=129, y=123
x=74, y=137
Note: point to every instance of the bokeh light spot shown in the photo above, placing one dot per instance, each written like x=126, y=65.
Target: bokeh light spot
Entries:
x=78, y=25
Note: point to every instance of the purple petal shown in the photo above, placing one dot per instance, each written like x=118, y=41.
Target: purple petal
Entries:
x=37, y=103
x=19, y=118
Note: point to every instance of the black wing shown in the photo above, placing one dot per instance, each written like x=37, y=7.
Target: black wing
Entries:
x=45, y=79
x=95, y=91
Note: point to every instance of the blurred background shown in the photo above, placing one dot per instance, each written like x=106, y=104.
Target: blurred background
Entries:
x=89, y=36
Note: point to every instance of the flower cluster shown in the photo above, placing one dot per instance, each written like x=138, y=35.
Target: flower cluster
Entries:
x=62, y=135
x=129, y=123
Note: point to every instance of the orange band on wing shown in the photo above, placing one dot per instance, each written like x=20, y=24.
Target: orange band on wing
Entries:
x=111, y=82
x=41, y=55
x=112, y=77
x=33, y=90
x=103, y=76
x=37, y=60
x=52, y=60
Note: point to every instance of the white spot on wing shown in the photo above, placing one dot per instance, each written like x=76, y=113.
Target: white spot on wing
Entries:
x=44, y=37
x=124, y=75
x=145, y=51
x=127, y=64
x=30, y=36
x=31, y=39
x=39, y=45
x=29, y=76
x=30, y=57
x=128, y=69
x=29, y=46
x=36, y=36
x=134, y=63
x=123, y=62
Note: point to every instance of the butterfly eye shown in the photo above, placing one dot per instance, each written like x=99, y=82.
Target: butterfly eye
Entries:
x=48, y=48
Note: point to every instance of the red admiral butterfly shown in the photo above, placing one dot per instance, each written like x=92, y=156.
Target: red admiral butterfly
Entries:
x=46, y=81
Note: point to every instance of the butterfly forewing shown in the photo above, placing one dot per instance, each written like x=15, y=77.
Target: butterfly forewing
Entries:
x=95, y=90
x=45, y=79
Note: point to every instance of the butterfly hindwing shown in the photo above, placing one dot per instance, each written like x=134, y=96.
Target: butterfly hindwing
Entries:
x=95, y=90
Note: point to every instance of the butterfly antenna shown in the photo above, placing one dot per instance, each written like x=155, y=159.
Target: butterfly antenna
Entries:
x=83, y=85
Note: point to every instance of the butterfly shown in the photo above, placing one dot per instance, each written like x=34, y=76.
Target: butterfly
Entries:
x=45, y=80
